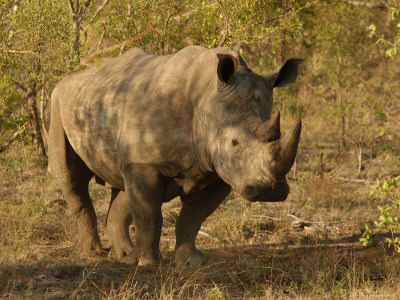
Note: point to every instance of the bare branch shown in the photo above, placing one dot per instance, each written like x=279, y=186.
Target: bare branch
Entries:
x=95, y=15
x=20, y=85
x=101, y=40
x=87, y=3
x=46, y=134
x=71, y=6
x=164, y=35
x=122, y=48
x=84, y=8
x=226, y=32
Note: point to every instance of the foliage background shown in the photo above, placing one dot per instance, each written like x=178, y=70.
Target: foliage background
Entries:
x=346, y=80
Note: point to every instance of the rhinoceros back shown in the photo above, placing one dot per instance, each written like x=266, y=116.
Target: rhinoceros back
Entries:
x=136, y=108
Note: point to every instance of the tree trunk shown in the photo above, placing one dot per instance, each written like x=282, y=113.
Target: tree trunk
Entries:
x=34, y=120
x=77, y=28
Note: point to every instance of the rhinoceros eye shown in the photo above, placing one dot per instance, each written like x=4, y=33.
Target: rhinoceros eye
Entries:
x=235, y=142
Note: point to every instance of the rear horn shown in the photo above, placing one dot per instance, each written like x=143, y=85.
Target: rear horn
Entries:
x=270, y=130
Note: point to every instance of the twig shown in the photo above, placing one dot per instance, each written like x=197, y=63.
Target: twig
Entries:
x=314, y=222
x=71, y=6
x=227, y=26
x=294, y=217
x=13, y=138
x=164, y=48
x=122, y=48
x=18, y=51
x=75, y=292
x=229, y=235
x=101, y=40
x=97, y=287
x=207, y=235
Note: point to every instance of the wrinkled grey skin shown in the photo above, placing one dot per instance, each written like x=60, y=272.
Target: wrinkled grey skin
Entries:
x=193, y=124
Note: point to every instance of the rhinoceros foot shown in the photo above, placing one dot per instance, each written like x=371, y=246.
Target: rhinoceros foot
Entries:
x=120, y=251
x=89, y=245
x=94, y=251
x=189, y=256
x=142, y=260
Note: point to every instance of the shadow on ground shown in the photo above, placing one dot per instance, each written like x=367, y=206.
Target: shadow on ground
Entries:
x=237, y=269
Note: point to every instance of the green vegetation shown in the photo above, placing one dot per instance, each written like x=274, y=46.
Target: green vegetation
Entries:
x=306, y=247
x=389, y=213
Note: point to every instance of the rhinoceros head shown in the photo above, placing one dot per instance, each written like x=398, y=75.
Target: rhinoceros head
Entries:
x=244, y=141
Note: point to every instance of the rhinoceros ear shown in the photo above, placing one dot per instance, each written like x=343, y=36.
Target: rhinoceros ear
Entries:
x=286, y=74
x=227, y=66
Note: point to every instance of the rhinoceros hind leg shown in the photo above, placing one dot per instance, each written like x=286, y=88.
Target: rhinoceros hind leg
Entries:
x=73, y=177
x=118, y=220
x=195, y=209
x=74, y=181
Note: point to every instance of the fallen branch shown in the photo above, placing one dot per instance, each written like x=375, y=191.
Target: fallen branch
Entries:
x=353, y=180
x=13, y=138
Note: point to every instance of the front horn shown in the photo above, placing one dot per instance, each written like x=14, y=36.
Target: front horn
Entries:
x=288, y=150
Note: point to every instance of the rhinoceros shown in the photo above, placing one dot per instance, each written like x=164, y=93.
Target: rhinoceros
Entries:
x=192, y=124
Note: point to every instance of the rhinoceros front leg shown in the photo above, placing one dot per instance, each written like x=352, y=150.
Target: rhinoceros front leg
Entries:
x=118, y=220
x=195, y=209
x=145, y=193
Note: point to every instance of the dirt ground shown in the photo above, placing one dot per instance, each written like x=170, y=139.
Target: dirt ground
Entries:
x=305, y=247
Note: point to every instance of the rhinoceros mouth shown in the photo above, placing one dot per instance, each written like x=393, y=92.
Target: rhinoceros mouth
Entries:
x=257, y=192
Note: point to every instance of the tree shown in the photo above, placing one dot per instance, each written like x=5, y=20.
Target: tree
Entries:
x=35, y=49
x=166, y=26
x=339, y=65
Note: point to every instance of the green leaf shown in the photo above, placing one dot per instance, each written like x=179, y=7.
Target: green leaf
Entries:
x=372, y=30
x=391, y=53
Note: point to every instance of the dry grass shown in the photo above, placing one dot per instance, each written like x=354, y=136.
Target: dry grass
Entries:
x=306, y=247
